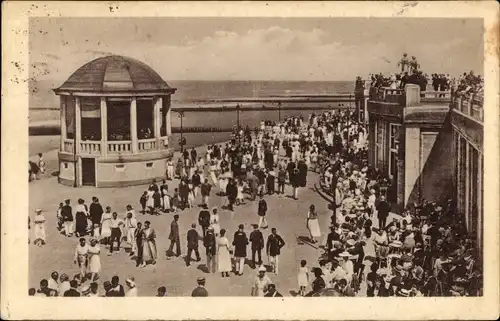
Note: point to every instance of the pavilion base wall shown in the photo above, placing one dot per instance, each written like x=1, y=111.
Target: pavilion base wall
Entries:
x=130, y=173
x=116, y=170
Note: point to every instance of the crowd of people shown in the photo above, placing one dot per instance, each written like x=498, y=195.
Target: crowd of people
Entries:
x=248, y=168
x=423, y=252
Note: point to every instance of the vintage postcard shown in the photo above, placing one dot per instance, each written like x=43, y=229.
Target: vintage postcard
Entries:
x=284, y=160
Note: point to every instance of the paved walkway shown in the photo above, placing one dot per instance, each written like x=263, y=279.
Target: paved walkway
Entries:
x=286, y=214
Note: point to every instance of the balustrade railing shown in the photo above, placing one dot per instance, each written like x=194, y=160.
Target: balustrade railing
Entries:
x=147, y=144
x=90, y=147
x=469, y=105
x=116, y=147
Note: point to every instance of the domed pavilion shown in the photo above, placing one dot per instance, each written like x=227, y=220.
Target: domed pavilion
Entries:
x=115, y=124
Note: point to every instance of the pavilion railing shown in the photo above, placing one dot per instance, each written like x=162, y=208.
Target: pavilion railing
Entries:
x=68, y=146
x=90, y=147
x=147, y=144
x=123, y=146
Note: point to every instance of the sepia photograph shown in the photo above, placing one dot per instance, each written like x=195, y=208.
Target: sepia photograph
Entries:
x=247, y=156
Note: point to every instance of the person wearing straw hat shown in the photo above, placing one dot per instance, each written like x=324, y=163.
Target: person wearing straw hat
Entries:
x=39, y=227
x=261, y=283
x=81, y=256
x=132, y=287
x=200, y=290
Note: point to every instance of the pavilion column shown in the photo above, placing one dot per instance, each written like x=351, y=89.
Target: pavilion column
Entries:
x=78, y=125
x=104, y=127
x=157, y=121
x=168, y=117
x=62, y=100
x=133, y=125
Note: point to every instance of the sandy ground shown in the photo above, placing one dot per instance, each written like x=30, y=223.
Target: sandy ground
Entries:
x=286, y=214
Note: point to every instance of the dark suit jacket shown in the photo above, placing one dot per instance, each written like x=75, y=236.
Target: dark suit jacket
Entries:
x=276, y=294
x=240, y=243
x=257, y=240
x=96, y=213
x=192, y=239
x=210, y=244
x=72, y=292
x=262, y=207
x=199, y=291
x=383, y=209
x=274, y=244
x=174, y=231
x=204, y=218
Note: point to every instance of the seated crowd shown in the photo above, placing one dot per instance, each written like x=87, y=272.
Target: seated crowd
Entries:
x=424, y=252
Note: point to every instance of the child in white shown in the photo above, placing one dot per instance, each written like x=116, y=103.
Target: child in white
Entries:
x=303, y=277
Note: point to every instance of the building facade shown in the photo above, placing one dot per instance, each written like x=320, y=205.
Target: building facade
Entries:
x=467, y=124
x=115, y=124
x=408, y=132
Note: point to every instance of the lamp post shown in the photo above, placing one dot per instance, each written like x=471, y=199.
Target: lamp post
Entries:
x=279, y=111
x=238, y=122
x=181, y=115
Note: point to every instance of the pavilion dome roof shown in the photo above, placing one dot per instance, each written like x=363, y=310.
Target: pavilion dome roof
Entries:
x=115, y=74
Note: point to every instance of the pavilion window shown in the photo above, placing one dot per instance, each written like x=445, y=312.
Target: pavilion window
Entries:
x=145, y=119
x=118, y=120
x=91, y=118
x=69, y=103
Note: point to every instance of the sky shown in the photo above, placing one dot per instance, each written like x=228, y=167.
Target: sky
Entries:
x=293, y=49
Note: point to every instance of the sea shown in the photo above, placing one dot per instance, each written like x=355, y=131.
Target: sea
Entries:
x=44, y=104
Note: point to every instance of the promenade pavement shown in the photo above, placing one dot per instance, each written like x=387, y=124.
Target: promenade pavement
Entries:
x=284, y=213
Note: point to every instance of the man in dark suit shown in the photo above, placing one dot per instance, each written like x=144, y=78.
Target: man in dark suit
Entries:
x=272, y=292
x=204, y=219
x=192, y=244
x=231, y=192
x=200, y=290
x=72, y=291
x=240, y=242
x=257, y=240
x=174, y=237
x=211, y=249
x=383, y=209
x=95, y=212
x=273, y=248
x=332, y=237
x=67, y=217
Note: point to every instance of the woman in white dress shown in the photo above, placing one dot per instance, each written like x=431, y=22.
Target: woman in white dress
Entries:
x=307, y=157
x=39, y=228
x=239, y=197
x=191, y=195
x=166, y=200
x=223, y=254
x=313, y=224
x=105, y=225
x=150, y=203
x=223, y=183
x=214, y=221
x=94, y=259
x=213, y=168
